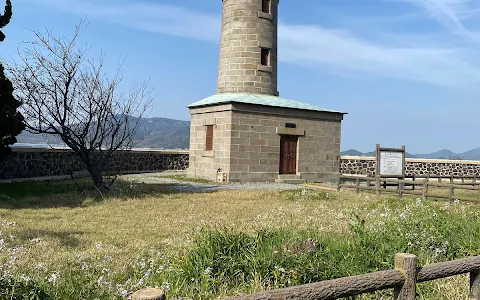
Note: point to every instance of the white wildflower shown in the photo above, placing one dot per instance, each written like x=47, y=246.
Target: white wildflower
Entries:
x=166, y=286
x=53, y=278
x=25, y=278
x=208, y=271
x=100, y=280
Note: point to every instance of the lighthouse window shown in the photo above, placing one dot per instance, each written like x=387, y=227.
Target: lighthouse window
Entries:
x=209, y=138
x=265, y=57
x=267, y=6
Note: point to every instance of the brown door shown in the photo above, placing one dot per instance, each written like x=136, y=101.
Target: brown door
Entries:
x=288, y=154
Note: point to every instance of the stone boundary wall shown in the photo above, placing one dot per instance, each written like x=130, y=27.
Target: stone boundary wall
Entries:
x=44, y=162
x=363, y=165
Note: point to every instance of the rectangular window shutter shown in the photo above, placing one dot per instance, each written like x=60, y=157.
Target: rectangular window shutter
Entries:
x=266, y=6
x=209, y=138
x=265, y=57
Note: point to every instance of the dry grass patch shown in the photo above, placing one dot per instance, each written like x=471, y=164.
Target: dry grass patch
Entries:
x=71, y=240
x=162, y=222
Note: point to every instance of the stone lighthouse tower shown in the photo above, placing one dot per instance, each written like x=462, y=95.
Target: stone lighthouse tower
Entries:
x=246, y=132
x=248, y=47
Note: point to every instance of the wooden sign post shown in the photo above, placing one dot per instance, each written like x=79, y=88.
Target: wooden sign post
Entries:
x=390, y=163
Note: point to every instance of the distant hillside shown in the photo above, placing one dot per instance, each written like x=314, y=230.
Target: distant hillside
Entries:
x=353, y=152
x=444, y=153
x=473, y=154
x=163, y=133
x=159, y=133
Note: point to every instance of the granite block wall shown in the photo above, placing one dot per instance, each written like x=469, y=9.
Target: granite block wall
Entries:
x=359, y=165
x=246, y=30
x=39, y=162
x=256, y=146
x=246, y=142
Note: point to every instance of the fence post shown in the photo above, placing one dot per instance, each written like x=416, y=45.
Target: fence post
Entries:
x=149, y=294
x=377, y=186
x=357, y=185
x=463, y=179
x=401, y=187
x=339, y=181
x=474, y=285
x=425, y=190
x=407, y=265
x=451, y=179
x=474, y=180
x=413, y=179
x=452, y=193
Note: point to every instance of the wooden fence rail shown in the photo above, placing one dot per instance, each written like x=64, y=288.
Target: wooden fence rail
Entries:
x=401, y=185
x=403, y=279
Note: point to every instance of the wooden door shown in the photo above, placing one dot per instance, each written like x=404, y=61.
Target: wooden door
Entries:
x=288, y=154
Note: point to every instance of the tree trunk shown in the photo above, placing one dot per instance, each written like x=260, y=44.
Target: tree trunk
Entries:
x=97, y=177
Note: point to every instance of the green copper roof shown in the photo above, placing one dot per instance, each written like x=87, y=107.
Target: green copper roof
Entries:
x=259, y=99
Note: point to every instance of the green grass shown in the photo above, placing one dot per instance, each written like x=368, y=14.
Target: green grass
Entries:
x=40, y=189
x=209, y=245
x=70, y=193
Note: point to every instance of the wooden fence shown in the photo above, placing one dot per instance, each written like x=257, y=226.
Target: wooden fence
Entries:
x=403, y=279
x=379, y=185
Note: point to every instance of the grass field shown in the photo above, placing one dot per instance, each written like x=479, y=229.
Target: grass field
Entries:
x=64, y=240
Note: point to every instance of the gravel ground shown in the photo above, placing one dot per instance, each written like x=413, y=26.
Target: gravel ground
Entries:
x=204, y=187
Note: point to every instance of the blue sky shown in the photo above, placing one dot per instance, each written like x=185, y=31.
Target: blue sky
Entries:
x=406, y=71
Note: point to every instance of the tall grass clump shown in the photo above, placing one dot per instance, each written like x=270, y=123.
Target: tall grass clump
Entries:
x=205, y=246
x=227, y=261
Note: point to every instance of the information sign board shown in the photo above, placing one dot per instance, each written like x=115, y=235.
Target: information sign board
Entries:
x=390, y=162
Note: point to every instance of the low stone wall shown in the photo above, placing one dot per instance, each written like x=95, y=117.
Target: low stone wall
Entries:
x=42, y=162
x=360, y=165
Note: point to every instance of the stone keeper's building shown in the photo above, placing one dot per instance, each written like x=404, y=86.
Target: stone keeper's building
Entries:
x=246, y=132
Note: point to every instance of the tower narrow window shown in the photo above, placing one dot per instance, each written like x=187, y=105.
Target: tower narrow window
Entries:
x=209, y=138
x=265, y=56
x=267, y=6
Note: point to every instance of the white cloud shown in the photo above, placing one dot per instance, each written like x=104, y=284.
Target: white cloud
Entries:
x=340, y=51
x=452, y=14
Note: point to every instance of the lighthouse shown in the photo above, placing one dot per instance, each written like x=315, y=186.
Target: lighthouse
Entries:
x=246, y=132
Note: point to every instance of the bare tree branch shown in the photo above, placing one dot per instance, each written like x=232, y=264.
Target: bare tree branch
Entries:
x=67, y=94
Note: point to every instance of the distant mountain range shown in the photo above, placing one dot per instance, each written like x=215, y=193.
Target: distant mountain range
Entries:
x=166, y=133
x=161, y=133
x=473, y=154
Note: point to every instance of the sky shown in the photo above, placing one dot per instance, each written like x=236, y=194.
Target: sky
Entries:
x=407, y=72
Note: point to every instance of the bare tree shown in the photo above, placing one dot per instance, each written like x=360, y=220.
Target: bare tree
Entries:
x=67, y=94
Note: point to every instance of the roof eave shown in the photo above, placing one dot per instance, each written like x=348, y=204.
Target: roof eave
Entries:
x=233, y=101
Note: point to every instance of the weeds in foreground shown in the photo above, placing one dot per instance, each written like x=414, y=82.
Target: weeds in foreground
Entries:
x=227, y=260
x=221, y=261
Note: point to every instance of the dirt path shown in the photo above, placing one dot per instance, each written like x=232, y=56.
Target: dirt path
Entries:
x=159, y=178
